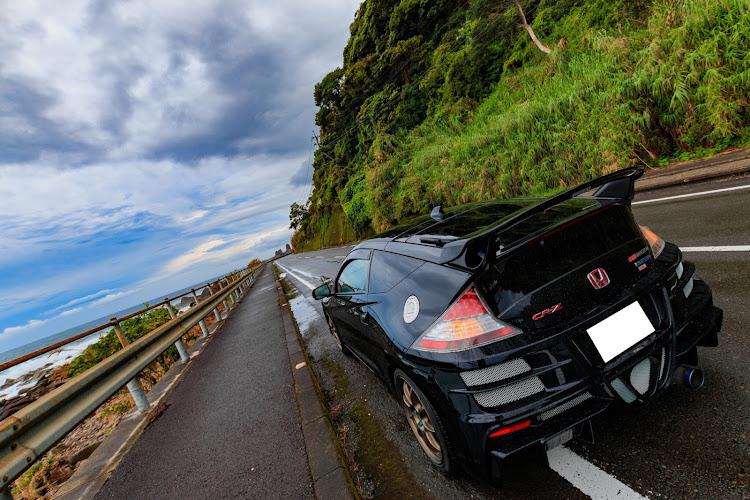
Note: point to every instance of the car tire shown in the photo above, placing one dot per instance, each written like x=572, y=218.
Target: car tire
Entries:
x=337, y=337
x=425, y=423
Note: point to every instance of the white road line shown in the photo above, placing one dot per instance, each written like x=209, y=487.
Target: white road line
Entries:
x=301, y=280
x=339, y=256
x=735, y=248
x=587, y=477
x=303, y=273
x=690, y=195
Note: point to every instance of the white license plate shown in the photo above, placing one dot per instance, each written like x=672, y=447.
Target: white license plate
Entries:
x=620, y=331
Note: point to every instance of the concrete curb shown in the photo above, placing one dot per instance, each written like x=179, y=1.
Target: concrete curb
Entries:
x=722, y=165
x=330, y=476
x=90, y=477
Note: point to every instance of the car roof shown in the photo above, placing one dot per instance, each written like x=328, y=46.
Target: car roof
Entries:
x=423, y=236
x=460, y=220
x=446, y=237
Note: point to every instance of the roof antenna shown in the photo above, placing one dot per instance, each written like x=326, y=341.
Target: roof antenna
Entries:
x=438, y=214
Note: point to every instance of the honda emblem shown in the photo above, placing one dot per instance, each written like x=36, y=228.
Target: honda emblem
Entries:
x=598, y=278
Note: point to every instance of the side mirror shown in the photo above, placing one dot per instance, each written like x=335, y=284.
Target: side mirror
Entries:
x=321, y=292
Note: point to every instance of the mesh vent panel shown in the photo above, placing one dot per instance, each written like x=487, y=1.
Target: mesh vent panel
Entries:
x=510, y=393
x=495, y=373
x=565, y=407
x=661, y=363
x=622, y=390
x=640, y=376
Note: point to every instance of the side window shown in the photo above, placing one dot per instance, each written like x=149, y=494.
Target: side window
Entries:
x=388, y=269
x=353, y=278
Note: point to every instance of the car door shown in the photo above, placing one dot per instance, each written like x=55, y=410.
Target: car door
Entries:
x=349, y=298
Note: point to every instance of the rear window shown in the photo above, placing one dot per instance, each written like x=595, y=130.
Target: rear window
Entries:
x=388, y=269
x=462, y=220
x=477, y=218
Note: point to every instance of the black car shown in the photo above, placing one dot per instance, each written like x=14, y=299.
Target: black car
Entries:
x=505, y=326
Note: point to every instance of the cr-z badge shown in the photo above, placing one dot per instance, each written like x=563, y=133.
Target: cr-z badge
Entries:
x=544, y=313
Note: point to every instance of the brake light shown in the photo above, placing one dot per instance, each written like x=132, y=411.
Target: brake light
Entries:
x=467, y=323
x=657, y=244
x=511, y=428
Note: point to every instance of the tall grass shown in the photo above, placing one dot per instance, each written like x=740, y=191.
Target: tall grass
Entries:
x=678, y=86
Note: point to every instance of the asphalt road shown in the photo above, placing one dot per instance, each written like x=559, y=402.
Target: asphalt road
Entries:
x=682, y=444
x=231, y=428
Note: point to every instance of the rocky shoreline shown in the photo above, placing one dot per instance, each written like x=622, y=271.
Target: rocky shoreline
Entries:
x=40, y=382
x=59, y=463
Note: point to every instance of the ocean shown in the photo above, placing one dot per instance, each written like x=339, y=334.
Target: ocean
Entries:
x=68, y=352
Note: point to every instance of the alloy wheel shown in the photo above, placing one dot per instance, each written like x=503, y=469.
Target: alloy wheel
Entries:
x=335, y=333
x=420, y=423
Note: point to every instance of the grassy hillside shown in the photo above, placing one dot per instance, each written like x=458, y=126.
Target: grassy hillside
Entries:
x=486, y=114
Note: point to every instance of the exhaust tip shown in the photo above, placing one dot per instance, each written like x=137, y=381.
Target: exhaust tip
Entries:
x=694, y=378
x=690, y=376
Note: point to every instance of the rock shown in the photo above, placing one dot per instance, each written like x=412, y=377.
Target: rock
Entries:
x=39, y=389
x=60, y=473
x=186, y=301
x=8, y=383
x=83, y=454
x=9, y=406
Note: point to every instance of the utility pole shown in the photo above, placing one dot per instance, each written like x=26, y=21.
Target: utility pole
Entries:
x=317, y=141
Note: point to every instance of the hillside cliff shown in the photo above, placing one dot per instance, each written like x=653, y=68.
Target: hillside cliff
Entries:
x=447, y=102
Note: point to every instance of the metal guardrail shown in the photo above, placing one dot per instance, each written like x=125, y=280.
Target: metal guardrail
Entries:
x=112, y=323
x=27, y=435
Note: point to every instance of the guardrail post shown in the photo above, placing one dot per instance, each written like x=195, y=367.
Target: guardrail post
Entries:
x=224, y=302
x=134, y=386
x=216, y=309
x=202, y=323
x=180, y=345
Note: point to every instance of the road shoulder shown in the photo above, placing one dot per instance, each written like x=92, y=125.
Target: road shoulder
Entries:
x=331, y=478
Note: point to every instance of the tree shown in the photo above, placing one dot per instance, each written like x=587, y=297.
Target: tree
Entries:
x=524, y=24
x=297, y=215
x=254, y=263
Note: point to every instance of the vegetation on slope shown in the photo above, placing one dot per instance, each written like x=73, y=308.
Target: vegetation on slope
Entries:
x=132, y=329
x=449, y=102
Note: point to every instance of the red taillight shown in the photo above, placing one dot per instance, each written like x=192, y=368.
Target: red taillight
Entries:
x=657, y=244
x=467, y=323
x=511, y=428
x=468, y=305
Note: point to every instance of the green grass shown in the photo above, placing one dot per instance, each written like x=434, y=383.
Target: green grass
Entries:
x=374, y=453
x=670, y=85
x=332, y=229
x=675, y=90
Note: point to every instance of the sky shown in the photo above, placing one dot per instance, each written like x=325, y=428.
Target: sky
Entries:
x=148, y=146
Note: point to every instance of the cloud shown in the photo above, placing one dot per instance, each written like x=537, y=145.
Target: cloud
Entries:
x=35, y=323
x=69, y=312
x=112, y=297
x=198, y=254
x=176, y=80
x=303, y=175
x=30, y=325
x=219, y=251
x=81, y=300
x=135, y=136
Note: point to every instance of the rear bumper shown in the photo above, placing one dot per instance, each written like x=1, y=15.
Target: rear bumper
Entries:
x=584, y=389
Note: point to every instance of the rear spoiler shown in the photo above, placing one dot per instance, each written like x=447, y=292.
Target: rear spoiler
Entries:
x=471, y=252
